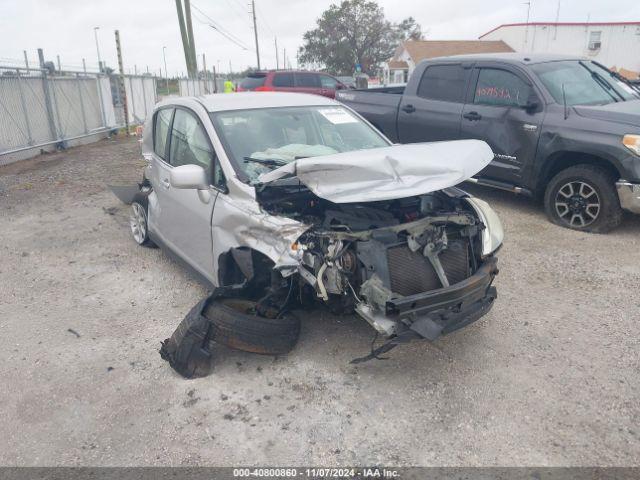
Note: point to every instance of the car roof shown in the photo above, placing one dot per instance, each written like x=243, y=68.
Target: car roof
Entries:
x=247, y=100
x=512, y=57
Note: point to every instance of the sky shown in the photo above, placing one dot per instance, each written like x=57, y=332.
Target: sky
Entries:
x=66, y=27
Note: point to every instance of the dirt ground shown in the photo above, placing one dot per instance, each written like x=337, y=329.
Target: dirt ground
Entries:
x=549, y=377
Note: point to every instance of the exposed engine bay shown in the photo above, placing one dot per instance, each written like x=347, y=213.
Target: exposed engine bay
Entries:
x=384, y=259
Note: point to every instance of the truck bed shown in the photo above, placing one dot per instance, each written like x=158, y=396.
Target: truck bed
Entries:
x=378, y=105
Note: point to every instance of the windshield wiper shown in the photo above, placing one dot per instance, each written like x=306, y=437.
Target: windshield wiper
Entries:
x=606, y=86
x=269, y=162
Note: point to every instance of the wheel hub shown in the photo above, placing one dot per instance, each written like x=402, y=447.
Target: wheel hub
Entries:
x=577, y=204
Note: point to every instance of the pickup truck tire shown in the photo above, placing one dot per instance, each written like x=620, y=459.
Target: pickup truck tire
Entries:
x=583, y=197
x=236, y=325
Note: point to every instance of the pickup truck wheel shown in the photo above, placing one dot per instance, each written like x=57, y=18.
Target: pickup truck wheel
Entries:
x=236, y=325
x=583, y=198
x=138, y=221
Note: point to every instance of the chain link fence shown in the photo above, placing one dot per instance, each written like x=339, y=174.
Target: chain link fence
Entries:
x=40, y=110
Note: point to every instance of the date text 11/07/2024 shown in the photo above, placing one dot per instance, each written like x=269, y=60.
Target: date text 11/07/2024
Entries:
x=373, y=472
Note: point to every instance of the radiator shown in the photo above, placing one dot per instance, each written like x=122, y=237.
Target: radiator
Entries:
x=411, y=272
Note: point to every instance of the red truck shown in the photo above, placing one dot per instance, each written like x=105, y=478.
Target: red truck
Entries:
x=291, y=81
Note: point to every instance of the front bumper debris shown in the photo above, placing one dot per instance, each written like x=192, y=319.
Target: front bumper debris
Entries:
x=432, y=314
x=629, y=195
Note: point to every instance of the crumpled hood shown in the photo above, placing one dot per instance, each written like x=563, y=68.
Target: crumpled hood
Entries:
x=621, y=112
x=387, y=173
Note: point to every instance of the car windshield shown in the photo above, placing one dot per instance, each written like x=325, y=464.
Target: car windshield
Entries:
x=259, y=140
x=583, y=83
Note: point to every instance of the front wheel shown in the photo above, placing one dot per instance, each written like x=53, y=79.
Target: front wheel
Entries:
x=583, y=198
x=138, y=223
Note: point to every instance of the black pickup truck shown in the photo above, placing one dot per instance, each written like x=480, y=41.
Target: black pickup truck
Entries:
x=563, y=129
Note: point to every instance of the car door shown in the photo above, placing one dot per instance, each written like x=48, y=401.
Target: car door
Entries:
x=184, y=220
x=307, y=82
x=505, y=111
x=434, y=111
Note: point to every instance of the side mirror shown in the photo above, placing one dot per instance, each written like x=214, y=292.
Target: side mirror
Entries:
x=340, y=86
x=532, y=104
x=189, y=177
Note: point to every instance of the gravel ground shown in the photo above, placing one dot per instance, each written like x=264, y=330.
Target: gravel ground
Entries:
x=549, y=377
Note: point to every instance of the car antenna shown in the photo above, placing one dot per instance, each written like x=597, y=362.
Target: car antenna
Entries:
x=564, y=100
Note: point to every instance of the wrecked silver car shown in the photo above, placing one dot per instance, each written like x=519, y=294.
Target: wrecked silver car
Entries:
x=282, y=202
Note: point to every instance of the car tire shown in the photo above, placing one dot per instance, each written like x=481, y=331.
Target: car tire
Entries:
x=138, y=221
x=235, y=325
x=583, y=197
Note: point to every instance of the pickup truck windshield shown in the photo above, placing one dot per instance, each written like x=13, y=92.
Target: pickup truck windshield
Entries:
x=585, y=83
x=259, y=140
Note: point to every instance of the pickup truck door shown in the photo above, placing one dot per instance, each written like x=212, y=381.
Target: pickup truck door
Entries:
x=504, y=110
x=432, y=109
x=183, y=220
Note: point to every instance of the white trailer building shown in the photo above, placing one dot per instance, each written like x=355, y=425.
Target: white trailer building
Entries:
x=614, y=44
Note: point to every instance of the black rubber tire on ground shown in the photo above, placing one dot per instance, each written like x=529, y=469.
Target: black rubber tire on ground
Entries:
x=236, y=326
x=141, y=201
x=599, y=179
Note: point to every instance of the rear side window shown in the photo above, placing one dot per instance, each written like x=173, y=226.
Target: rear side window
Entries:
x=443, y=82
x=160, y=131
x=500, y=88
x=283, y=80
x=253, y=81
x=307, y=80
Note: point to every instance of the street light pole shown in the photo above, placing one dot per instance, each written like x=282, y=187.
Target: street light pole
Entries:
x=95, y=33
x=166, y=74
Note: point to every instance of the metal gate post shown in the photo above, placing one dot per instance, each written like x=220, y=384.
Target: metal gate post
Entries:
x=24, y=108
x=84, y=116
x=47, y=98
x=144, y=97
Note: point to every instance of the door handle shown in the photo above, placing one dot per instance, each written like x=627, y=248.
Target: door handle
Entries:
x=472, y=116
x=409, y=108
x=166, y=183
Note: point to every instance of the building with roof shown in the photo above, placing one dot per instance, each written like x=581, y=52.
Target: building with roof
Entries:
x=613, y=44
x=410, y=53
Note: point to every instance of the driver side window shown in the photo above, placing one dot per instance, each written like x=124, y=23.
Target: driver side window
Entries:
x=190, y=146
x=501, y=88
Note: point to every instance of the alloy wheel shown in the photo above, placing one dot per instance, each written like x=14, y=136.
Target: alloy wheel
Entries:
x=577, y=204
x=138, y=223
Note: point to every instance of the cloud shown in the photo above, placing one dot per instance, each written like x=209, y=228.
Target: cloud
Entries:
x=65, y=27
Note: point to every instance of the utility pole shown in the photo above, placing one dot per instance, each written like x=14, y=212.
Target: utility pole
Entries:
x=277, y=62
x=166, y=74
x=192, y=42
x=123, y=90
x=206, y=76
x=189, y=57
x=555, y=33
x=526, y=29
x=255, y=30
x=95, y=34
x=284, y=58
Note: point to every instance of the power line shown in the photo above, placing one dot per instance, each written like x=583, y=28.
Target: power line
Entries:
x=216, y=26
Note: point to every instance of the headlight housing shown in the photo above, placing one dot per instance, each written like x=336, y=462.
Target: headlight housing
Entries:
x=632, y=142
x=493, y=234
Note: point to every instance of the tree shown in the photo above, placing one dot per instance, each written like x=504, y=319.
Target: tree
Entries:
x=354, y=32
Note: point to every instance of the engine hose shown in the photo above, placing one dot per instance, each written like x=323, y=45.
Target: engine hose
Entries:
x=321, y=287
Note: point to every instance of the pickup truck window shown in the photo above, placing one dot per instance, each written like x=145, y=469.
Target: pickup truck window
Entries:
x=258, y=140
x=443, y=82
x=500, y=88
x=584, y=83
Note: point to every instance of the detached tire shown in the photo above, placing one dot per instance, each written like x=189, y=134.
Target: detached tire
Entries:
x=237, y=326
x=583, y=198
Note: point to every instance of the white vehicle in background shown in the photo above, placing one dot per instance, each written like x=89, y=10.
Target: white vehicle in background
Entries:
x=280, y=200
